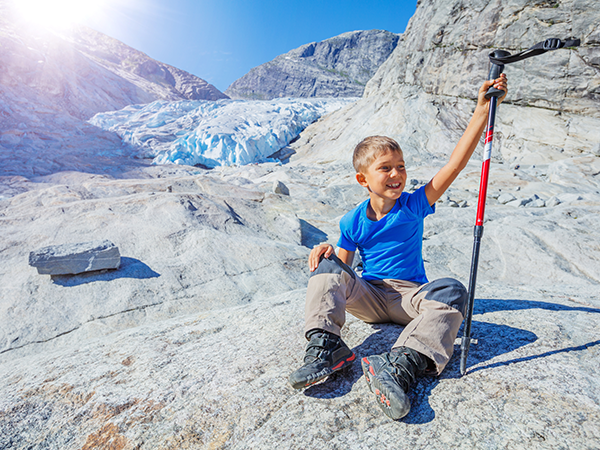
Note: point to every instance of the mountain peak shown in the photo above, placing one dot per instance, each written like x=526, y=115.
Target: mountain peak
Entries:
x=336, y=67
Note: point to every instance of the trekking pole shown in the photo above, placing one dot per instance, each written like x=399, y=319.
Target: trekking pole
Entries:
x=492, y=94
x=498, y=59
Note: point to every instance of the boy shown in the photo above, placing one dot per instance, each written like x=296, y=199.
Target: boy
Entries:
x=387, y=229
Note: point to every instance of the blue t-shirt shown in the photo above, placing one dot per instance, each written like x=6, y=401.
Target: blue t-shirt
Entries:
x=392, y=247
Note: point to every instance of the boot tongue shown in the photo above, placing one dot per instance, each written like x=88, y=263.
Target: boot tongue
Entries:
x=311, y=333
x=317, y=332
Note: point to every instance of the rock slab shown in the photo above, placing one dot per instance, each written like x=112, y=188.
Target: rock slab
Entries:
x=72, y=259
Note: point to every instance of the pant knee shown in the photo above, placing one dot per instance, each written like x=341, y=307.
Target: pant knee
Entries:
x=448, y=291
x=332, y=265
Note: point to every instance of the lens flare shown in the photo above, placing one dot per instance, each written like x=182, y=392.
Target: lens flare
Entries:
x=58, y=13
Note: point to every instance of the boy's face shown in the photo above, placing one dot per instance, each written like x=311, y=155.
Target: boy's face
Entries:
x=385, y=177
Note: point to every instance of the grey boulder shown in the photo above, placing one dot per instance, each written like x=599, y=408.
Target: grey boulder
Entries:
x=280, y=188
x=72, y=259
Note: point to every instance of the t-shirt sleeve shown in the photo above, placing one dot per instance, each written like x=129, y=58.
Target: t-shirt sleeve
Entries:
x=345, y=240
x=418, y=204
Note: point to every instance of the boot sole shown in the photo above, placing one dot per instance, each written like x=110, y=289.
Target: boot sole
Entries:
x=319, y=376
x=391, y=398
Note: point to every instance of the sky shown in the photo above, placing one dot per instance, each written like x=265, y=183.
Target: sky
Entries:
x=221, y=40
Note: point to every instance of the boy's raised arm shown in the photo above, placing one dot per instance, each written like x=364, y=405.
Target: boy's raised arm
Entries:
x=467, y=143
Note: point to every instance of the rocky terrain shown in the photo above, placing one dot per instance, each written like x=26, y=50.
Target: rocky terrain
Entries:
x=190, y=342
x=336, y=67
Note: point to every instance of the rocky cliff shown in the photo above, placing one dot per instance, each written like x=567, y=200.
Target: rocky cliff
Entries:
x=423, y=94
x=336, y=67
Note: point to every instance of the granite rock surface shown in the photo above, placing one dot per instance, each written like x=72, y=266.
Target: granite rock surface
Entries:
x=190, y=343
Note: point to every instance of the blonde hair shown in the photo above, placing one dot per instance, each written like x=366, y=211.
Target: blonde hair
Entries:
x=370, y=148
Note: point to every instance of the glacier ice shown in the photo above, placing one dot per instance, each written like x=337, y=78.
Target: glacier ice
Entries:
x=215, y=133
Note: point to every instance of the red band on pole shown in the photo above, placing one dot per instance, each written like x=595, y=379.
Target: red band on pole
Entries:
x=485, y=170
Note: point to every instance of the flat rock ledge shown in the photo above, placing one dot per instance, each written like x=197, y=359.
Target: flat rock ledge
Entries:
x=72, y=259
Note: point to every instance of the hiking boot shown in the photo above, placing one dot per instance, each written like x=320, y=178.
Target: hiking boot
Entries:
x=389, y=376
x=325, y=353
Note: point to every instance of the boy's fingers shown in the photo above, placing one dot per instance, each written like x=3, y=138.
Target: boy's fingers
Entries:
x=315, y=255
x=486, y=85
x=501, y=82
x=489, y=83
x=311, y=261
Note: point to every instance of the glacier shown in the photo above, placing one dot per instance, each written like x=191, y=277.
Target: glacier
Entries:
x=214, y=133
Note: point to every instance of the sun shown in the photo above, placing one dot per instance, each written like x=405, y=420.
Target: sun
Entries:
x=58, y=13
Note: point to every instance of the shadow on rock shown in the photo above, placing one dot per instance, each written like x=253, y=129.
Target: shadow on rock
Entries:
x=493, y=340
x=489, y=340
x=421, y=411
x=129, y=268
x=311, y=235
x=499, y=339
x=493, y=305
x=541, y=355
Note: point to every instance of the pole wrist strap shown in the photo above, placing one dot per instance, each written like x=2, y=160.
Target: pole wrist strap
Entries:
x=537, y=49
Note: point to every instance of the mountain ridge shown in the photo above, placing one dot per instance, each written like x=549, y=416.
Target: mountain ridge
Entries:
x=336, y=67
x=130, y=63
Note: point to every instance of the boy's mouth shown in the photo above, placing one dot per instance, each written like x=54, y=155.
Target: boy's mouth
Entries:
x=394, y=185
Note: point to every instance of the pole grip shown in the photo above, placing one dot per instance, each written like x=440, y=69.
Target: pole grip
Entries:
x=495, y=72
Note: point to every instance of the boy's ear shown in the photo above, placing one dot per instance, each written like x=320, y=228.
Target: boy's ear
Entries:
x=362, y=180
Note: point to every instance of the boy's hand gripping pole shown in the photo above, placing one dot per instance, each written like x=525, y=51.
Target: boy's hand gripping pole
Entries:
x=492, y=94
x=498, y=59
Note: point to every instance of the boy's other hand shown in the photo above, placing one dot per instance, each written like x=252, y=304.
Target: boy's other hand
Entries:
x=315, y=255
x=499, y=83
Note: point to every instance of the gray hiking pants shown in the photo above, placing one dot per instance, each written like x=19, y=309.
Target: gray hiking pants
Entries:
x=431, y=313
